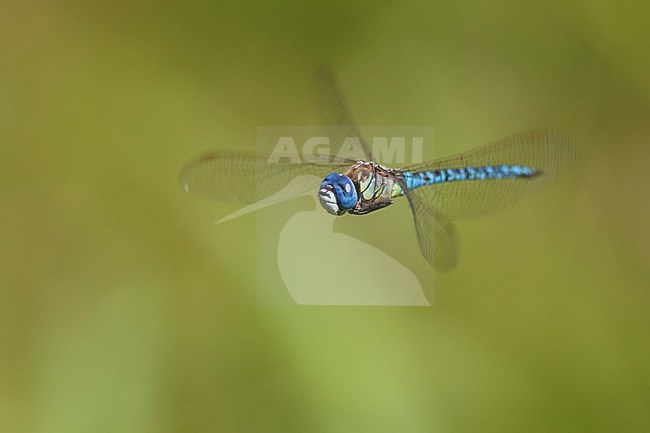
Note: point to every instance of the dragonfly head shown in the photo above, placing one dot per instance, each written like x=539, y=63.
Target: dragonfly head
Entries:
x=337, y=194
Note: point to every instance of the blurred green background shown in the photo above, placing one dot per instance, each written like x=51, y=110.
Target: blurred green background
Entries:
x=123, y=309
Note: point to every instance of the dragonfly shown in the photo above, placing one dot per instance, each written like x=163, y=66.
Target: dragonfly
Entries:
x=473, y=183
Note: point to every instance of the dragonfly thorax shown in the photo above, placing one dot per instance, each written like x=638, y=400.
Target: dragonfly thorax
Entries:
x=337, y=194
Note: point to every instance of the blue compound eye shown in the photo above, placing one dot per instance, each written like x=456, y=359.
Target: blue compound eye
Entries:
x=346, y=192
x=337, y=194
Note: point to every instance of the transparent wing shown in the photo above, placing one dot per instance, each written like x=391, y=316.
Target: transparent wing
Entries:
x=337, y=115
x=547, y=150
x=436, y=235
x=247, y=177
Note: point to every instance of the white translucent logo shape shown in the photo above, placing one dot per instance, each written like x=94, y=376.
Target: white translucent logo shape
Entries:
x=321, y=267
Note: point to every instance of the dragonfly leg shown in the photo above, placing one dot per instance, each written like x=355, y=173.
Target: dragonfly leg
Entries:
x=367, y=207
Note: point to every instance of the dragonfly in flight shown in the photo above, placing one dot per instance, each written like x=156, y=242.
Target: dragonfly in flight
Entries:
x=477, y=182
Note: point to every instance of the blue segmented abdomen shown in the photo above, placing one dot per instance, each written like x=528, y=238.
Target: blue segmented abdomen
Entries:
x=431, y=177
